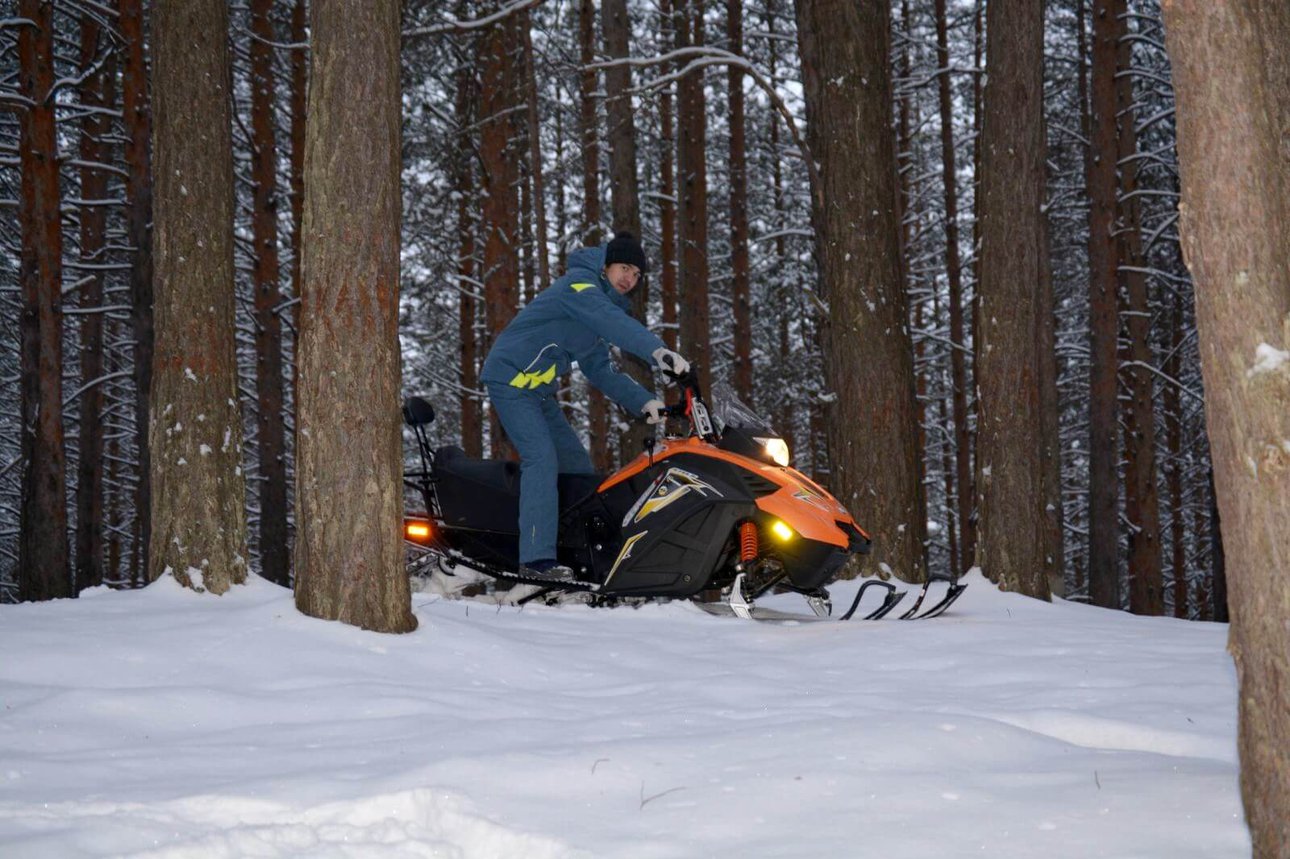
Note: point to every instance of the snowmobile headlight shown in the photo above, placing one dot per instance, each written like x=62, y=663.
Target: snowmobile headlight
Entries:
x=780, y=530
x=776, y=449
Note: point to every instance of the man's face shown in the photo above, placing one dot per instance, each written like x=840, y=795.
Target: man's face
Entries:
x=622, y=276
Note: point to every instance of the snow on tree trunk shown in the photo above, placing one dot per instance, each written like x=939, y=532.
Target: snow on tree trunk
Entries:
x=349, y=546
x=195, y=427
x=868, y=356
x=1012, y=539
x=1231, y=74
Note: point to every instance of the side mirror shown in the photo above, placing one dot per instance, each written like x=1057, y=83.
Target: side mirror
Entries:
x=417, y=412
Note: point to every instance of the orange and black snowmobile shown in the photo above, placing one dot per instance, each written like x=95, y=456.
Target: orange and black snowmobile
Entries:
x=716, y=508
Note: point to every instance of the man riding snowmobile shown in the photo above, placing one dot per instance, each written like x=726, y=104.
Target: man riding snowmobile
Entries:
x=572, y=321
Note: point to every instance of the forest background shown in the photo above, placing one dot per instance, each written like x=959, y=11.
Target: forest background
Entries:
x=519, y=146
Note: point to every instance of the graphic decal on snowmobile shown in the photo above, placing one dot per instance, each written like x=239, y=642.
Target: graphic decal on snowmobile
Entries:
x=811, y=498
x=624, y=554
x=675, y=484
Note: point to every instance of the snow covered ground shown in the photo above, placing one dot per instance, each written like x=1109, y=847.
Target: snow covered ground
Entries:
x=167, y=723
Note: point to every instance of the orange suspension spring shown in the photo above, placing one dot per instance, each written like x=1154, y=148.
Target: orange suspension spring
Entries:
x=748, y=542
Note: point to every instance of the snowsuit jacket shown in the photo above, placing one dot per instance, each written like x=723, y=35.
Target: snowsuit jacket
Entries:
x=572, y=320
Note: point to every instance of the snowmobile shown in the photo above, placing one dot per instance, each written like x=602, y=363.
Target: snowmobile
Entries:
x=716, y=508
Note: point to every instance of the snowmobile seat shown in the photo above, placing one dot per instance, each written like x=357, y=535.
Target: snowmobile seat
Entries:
x=484, y=494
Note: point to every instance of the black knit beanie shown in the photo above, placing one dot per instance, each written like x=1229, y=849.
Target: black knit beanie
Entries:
x=624, y=248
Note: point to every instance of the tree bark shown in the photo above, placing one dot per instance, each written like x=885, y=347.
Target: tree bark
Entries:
x=1171, y=402
x=465, y=108
x=1103, y=503
x=954, y=273
x=597, y=405
x=667, y=205
x=349, y=546
x=98, y=90
x=1141, y=497
x=44, y=562
x=867, y=351
x=693, y=310
x=739, y=263
x=138, y=191
x=275, y=562
x=1012, y=539
x=299, y=96
x=195, y=433
x=535, y=152
x=625, y=192
x=1230, y=73
x=499, y=174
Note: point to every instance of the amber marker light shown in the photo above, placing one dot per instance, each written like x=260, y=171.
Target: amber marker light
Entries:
x=417, y=532
x=780, y=530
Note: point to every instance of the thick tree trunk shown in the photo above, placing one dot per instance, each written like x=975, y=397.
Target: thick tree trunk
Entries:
x=275, y=562
x=954, y=273
x=625, y=192
x=739, y=263
x=667, y=205
x=597, y=405
x=44, y=562
x=693, y=311
x=499, y=174
x=349, y=546
x=98, y=90
x=195, y=432
x=1012, y=539
x=1104, y=486
x=138, y=191
x=868, y=356
x=1231, y=73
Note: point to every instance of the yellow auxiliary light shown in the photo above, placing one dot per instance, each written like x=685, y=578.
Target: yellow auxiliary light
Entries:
x=780, y=530
x=417, y=530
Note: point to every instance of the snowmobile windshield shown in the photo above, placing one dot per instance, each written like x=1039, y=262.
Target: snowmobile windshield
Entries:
x=727, y=410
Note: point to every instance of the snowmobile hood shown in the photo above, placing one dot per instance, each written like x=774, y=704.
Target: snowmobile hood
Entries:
x=591, y=263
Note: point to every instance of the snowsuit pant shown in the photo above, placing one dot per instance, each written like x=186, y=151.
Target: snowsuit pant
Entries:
x=548, y=447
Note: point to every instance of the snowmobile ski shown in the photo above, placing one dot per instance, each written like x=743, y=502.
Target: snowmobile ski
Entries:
x=737, y=605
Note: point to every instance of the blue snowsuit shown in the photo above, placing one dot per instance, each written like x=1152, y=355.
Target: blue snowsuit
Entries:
x=572, y=320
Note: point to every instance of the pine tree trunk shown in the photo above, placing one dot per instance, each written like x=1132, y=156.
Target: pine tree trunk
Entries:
x=499, y=175
x=275, y=563
x=867, y=351
x=1171, y=402
x=98, y=90
x=954, y=273
x=44, y=562
x=138, y=191
x=1141, y=497
x=349, y=547
x=597, y=405
x=468, y=281
x=299, y=95
x=693, y=311
x=1231, y=73
x=625, y=192
x=535, y=153
x=195, y=433
x=1012, y=538
x=739, y=263
x=1103, y=504
x=668, y=204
